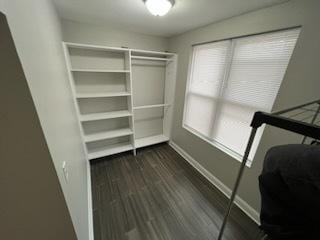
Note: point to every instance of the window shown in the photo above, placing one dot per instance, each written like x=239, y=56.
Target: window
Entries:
x=230, y=80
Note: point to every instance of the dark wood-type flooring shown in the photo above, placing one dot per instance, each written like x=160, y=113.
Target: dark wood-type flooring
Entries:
x=157, y=195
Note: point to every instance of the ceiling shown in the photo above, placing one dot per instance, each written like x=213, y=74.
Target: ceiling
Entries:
x=133, y=15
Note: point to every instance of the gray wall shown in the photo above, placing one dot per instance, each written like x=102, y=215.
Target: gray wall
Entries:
x=32, y=203
x=110, y=36
x=301, y=84
x=37, y=35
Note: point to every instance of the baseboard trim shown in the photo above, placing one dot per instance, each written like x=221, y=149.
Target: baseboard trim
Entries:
x=90, y=209
x=243, y=205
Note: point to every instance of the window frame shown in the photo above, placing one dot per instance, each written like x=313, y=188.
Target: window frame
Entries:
x=228, y=151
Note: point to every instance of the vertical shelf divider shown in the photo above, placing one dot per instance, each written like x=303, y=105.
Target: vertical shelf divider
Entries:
x=130, y=98
x=169, y=92
x=74, y=98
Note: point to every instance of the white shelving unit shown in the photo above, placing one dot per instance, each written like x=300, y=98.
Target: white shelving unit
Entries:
x=123, y=97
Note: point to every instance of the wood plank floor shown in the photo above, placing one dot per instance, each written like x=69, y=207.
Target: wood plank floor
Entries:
x=157, y=195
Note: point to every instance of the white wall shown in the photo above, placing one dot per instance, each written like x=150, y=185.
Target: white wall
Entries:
x=301, y=84
x=111, y=36
x=37, y=35
x=2, y=7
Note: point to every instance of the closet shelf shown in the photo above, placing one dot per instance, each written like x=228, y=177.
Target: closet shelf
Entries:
x=108, y=135
x=96, y=47
x=109, y=150
x=106, y=115
x=150, y=58
x=146, y=52
x=146, y=141
x=102, y=95
x=98, y=70
x=152, y=106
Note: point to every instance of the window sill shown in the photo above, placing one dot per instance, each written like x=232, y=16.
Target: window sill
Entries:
x=226, y=150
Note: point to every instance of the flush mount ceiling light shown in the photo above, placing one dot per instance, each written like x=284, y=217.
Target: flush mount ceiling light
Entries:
x=159, y=7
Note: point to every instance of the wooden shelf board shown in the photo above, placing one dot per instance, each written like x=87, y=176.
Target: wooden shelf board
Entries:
x=109, y=150
x=146, y=141
x=108, y=135
x=102, y=95
x=106, y=115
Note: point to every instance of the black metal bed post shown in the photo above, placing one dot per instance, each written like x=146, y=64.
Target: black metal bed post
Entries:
x=237, y=183
x=312, y=121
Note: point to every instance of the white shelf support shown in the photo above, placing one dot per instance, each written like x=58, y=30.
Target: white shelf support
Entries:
x=130, y=99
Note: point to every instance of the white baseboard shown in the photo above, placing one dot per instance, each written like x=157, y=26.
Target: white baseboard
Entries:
x=244, y=206
x=90, y=209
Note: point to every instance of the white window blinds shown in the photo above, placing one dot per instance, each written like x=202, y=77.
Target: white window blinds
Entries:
x=229, y=81
x=205, y=85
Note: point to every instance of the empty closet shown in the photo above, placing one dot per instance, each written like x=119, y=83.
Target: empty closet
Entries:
x=123, y=97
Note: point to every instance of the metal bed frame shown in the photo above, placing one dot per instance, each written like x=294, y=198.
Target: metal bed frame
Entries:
x=302, y=119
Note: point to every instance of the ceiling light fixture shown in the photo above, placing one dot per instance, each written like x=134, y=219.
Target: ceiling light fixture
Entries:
x=159, y=7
